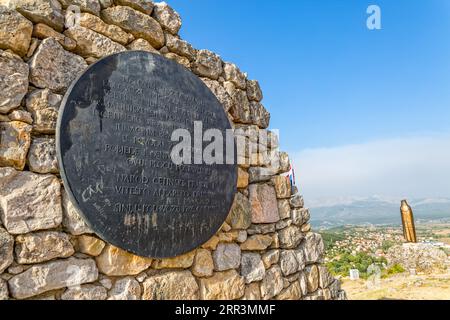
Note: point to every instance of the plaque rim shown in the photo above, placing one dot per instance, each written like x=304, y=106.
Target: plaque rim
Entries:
x=66, y=185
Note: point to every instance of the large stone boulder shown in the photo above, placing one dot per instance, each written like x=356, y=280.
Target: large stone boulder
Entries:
x=422, y=257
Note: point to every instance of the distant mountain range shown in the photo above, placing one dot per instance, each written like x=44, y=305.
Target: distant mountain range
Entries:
x=375, y=210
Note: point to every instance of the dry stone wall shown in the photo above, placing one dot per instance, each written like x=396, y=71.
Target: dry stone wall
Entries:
x=265, y=250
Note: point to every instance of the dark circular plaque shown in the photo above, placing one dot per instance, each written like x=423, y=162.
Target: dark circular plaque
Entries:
x=114, y=143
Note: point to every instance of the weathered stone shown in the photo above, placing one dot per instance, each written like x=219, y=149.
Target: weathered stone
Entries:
x=306, y=228
x=125, y=289
x=285, y=164
x=212, y=243
x=419, y=256
x=259, y=115
x=143, y=45
x=136, y=23
x=312, y=277
x=52, y=275
x=260, y=174
x=261, y=229
x=203, y=264
x=282, y=187
x=220, y=93
x=226, y=285
x=301, y=259
x=144, y=6
x=4, y=293
x=42, y=31
x=33, y=46
x=90, y=245
x=325, y=277
x=182, y=262
x=4, y=118
x=254, y=92
x=240, y=214
x=257, y=242
x=180, y=47
x=169, y=19
x=105, y=282
x=207, y=64
x=15, y=31
x=39, y=11
x=227, y=256
x=53, y=67
x=313, y=248
x=288, y=262
x=272, y=283
x=106, y=3
x=299, y=216
x=243, y=179
x=240, y=109
x=72, y=220
x=252, y=267
x=297, y=201
x=290, y=237
x=283, y=224
x=44, y=106
x=92, y=44
x=14, y=80
x=91, y=6
x=21, y=115
x=293, y=292
x=175, y=285
x=275, y=241
x=96, y=24
x=6, y=250
x=179, y=59
x=42, y=196
x=85, y=292
x=270, y=258
x=252, y=292
x=264, y=204
x=117, y=262
x=303, y=281
x=233, y=74
x=15, y=139
x=242, y=236
x=42, y=246
x=42, y=156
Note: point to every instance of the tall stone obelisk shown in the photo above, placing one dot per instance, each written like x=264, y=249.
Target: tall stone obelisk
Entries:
x=409, y=228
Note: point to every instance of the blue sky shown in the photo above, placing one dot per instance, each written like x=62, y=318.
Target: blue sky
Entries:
x=331, y=84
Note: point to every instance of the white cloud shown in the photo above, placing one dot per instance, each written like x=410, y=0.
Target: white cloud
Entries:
x=412, y=167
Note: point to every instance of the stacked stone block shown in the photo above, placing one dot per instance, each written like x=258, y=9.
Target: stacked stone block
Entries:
x=265, y=250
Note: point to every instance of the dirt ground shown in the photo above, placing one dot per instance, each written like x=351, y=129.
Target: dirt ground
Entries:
x=401, y=287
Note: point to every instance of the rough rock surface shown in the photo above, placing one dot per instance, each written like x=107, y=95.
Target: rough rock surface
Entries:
x=42, y=246
x=53, y=275
x=226, y=285
x=6, y=249
x=42, y=156
x=264, y=204
x=136, y=23
x=40, y=192
x=15, y=139
x=53, y=67
x=117, y=262
x=421, y=257
x=44, y=106
x=174, y=285
x=15, y=31
x=252, y=267
x=169, y=19
x=227, y=256
x=92, y=44
x=125, y=289
x=85, y=292
x=13, y=81
x=72, y=220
